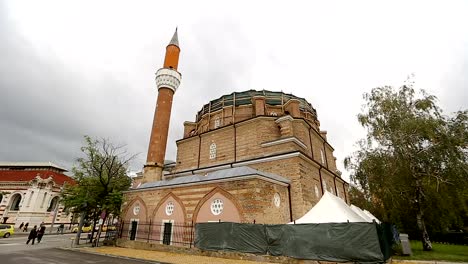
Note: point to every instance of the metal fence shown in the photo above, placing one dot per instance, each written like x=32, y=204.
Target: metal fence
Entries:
x=168, y=233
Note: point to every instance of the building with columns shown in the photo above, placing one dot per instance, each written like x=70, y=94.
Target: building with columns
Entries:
x=252, y=156
x=30, y=193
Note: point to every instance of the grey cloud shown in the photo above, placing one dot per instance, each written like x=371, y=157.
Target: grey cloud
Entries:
x=48, y=104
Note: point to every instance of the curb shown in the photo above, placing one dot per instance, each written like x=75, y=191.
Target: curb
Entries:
x=402, y=261
x=78, y=249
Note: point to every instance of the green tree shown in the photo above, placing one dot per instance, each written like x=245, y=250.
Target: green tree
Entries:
x=101, y=177
x=413, y=162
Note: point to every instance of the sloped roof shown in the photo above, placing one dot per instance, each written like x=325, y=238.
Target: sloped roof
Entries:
x=28, y=175
x=330, y=209
x=231, y=173
x=31, y=165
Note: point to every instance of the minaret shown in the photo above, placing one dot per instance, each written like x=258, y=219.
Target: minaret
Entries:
x=167, y=82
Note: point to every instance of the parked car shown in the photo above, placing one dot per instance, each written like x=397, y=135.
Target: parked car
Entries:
x=84, y=229
x=105, y=228
x=6, y=230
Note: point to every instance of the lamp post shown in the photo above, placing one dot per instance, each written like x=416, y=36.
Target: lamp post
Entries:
x=55, y=216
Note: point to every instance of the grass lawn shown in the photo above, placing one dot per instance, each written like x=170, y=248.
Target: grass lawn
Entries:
x=439, y=252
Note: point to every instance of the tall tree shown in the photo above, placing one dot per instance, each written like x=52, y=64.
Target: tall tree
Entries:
x=413, y=162
x=101, y=177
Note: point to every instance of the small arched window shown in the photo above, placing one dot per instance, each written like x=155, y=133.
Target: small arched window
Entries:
x=43, y=199
x=213, y=151
x=317, y=194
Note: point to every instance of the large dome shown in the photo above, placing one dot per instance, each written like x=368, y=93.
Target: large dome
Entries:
x=240, y=106
x=245, y=98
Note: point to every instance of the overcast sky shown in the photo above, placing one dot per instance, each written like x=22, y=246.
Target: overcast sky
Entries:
x=74, y=68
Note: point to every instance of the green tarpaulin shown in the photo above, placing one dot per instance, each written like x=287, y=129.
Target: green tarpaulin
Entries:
x=338, y=242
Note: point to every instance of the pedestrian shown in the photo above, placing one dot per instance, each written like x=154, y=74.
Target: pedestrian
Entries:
x=21, y=226
x=25, y=227
x=32, y=235
x=62, y=227
x=40, y=233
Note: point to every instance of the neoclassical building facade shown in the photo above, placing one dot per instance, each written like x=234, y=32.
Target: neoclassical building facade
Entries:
x=251, y=156
x=30, y=193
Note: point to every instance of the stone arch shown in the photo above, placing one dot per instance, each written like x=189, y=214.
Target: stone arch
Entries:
x=232, y=211
x=128, y=211
x=169, y=220
x=15, y=202
x=53, y=204
x=179, y=210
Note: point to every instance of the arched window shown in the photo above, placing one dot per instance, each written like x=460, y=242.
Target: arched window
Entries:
x=15, y=204
x=30, y=197
x=217, y=122
x=53, y=204
x=322, y=156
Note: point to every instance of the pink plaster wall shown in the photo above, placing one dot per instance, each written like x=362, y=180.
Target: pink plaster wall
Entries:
x=141, y=216
x=177, y=216
x=229, y=213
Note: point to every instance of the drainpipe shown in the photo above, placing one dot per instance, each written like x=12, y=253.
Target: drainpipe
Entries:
x=235, y=142
x=344, y=191
x=290, y=204
x=199, y=150
x=310, y=141
x=320, y=175
x=325, y=153
x=334, y=182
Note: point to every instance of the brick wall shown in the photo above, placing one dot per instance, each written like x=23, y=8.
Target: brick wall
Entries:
x=252, y=197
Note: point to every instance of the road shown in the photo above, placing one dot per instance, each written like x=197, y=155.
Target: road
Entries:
x=14, y=250
x=17, y=243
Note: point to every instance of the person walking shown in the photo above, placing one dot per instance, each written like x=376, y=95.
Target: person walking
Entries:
x=32, y=235
x=40, y=233
x=21, y=226
x=61, y=228
x=25, y=228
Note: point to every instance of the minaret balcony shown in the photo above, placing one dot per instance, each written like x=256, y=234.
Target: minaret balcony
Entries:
x=168, y=78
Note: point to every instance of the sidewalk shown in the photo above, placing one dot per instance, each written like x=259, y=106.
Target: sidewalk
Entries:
x=167, y=257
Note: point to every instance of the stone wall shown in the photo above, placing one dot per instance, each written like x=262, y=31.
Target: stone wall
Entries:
x=252, y=139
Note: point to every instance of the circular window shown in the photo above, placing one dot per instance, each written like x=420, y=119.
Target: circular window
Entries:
x=217, y=206
x=277, y=200
x=136, y=209
x=169, y=208
x=316, y=191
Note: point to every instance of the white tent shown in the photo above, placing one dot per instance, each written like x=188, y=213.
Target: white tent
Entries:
x=361, y=213
x=330, y=209
x=371, y=216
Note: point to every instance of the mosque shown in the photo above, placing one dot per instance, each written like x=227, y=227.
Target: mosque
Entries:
x=252, y=156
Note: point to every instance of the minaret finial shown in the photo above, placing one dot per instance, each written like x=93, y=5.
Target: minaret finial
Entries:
x=175, y=39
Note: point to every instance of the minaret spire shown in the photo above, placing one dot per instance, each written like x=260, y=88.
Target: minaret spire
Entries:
x=175, y=39
x=167, y=81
